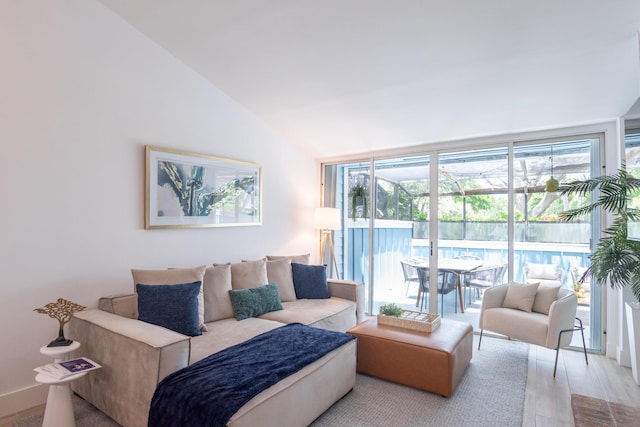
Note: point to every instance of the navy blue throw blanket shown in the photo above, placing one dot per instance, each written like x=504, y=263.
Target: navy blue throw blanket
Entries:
x=211, y=390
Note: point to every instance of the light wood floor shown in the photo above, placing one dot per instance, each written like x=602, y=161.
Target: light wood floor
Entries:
x=11, y=419
x=547, y=401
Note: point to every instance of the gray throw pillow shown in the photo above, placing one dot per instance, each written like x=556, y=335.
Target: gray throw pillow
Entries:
x=279, y=272
x=300, y=259
x=216, y=287
x=249, y=274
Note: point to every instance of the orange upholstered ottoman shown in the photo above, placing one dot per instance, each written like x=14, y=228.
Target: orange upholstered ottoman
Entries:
x=433, y=362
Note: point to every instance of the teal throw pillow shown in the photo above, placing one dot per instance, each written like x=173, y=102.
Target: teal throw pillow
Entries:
x=254, y=302
x=310, y=281
x=173, y=307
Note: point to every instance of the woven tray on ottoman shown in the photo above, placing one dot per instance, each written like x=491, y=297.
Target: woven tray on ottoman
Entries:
x=418, y=321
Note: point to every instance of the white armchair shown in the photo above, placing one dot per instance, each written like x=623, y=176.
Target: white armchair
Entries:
x=540, y=315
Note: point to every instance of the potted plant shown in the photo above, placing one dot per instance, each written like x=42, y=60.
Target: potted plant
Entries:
x=616, y=259
x=358, y=194
x=390, y=310
x=578, y=289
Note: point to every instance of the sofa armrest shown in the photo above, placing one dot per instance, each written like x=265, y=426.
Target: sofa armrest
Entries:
x=134, y=356
x=562, y=315
x=125, y=305
x=492, y=298
x=349, y=290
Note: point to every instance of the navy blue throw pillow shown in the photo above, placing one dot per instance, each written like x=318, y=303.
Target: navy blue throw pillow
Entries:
x=310, y=281
x=173, y=307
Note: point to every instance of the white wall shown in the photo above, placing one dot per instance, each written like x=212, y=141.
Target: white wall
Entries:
x=81, y=93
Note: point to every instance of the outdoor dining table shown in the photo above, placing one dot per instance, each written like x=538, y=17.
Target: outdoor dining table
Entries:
x=458, y=266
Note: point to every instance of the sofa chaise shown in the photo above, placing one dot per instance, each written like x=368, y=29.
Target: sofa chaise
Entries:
x=137, y=355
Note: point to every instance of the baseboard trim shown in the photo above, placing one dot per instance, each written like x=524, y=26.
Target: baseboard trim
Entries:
x=27, y=398
x=623, y=357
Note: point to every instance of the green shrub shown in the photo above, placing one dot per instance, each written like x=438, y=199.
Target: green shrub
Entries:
x=390, y=310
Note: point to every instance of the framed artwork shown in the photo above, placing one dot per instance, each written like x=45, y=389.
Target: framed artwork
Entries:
x=187, y=190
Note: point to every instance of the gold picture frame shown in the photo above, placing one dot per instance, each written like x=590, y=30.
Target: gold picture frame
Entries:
x=191, y=190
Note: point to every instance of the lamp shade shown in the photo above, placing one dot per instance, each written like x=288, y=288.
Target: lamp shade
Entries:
x=327, y=219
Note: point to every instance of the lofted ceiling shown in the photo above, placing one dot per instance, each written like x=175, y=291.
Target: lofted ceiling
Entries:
x=351, y=76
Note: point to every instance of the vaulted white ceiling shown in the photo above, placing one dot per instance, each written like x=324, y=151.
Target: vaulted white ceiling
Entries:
x=350, y=76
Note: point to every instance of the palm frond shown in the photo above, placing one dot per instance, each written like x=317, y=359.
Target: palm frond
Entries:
x=616, y=259
x=572, y=214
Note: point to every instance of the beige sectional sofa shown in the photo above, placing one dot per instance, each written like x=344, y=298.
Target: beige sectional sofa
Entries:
x=136, y=355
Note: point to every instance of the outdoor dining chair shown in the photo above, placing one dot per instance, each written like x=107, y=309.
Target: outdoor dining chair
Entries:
x=545, y=274
x=485, y=277
x=447, y=283
x=410, y=272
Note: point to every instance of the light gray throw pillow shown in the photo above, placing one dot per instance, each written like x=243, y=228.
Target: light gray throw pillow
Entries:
x=545, y=296
x=521, y=297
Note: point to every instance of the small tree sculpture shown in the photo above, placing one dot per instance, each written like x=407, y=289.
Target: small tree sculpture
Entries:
x=62, y=310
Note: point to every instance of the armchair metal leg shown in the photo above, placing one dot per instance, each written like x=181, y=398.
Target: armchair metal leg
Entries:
x=584, y=346
x=480, y=340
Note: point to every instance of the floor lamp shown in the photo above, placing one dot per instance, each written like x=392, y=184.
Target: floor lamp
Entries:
x=327, y=220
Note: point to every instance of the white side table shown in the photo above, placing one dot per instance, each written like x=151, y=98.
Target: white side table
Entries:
x=59, y=410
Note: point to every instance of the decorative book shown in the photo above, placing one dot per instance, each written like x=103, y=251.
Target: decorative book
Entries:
x=67, y=368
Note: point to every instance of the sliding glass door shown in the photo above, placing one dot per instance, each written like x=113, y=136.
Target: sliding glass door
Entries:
x=497, y=220
x=473, y=212
x=384, y=214
x=546, y=250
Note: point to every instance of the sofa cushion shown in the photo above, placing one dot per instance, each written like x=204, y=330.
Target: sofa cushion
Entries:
x=300, y=259
x=545, y=296
x=334, y=314
x=310, y=281
x=216, y=287
x=255, y=301
x=529, y=327
x=520, y=297
x=249, y=274
x=174, y=276
x=173, y=307
x=227, y=332
x=279, y=272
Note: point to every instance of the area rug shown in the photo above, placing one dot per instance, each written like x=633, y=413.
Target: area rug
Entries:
x=490, y=393
x=85, y=413
x=589, y=411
